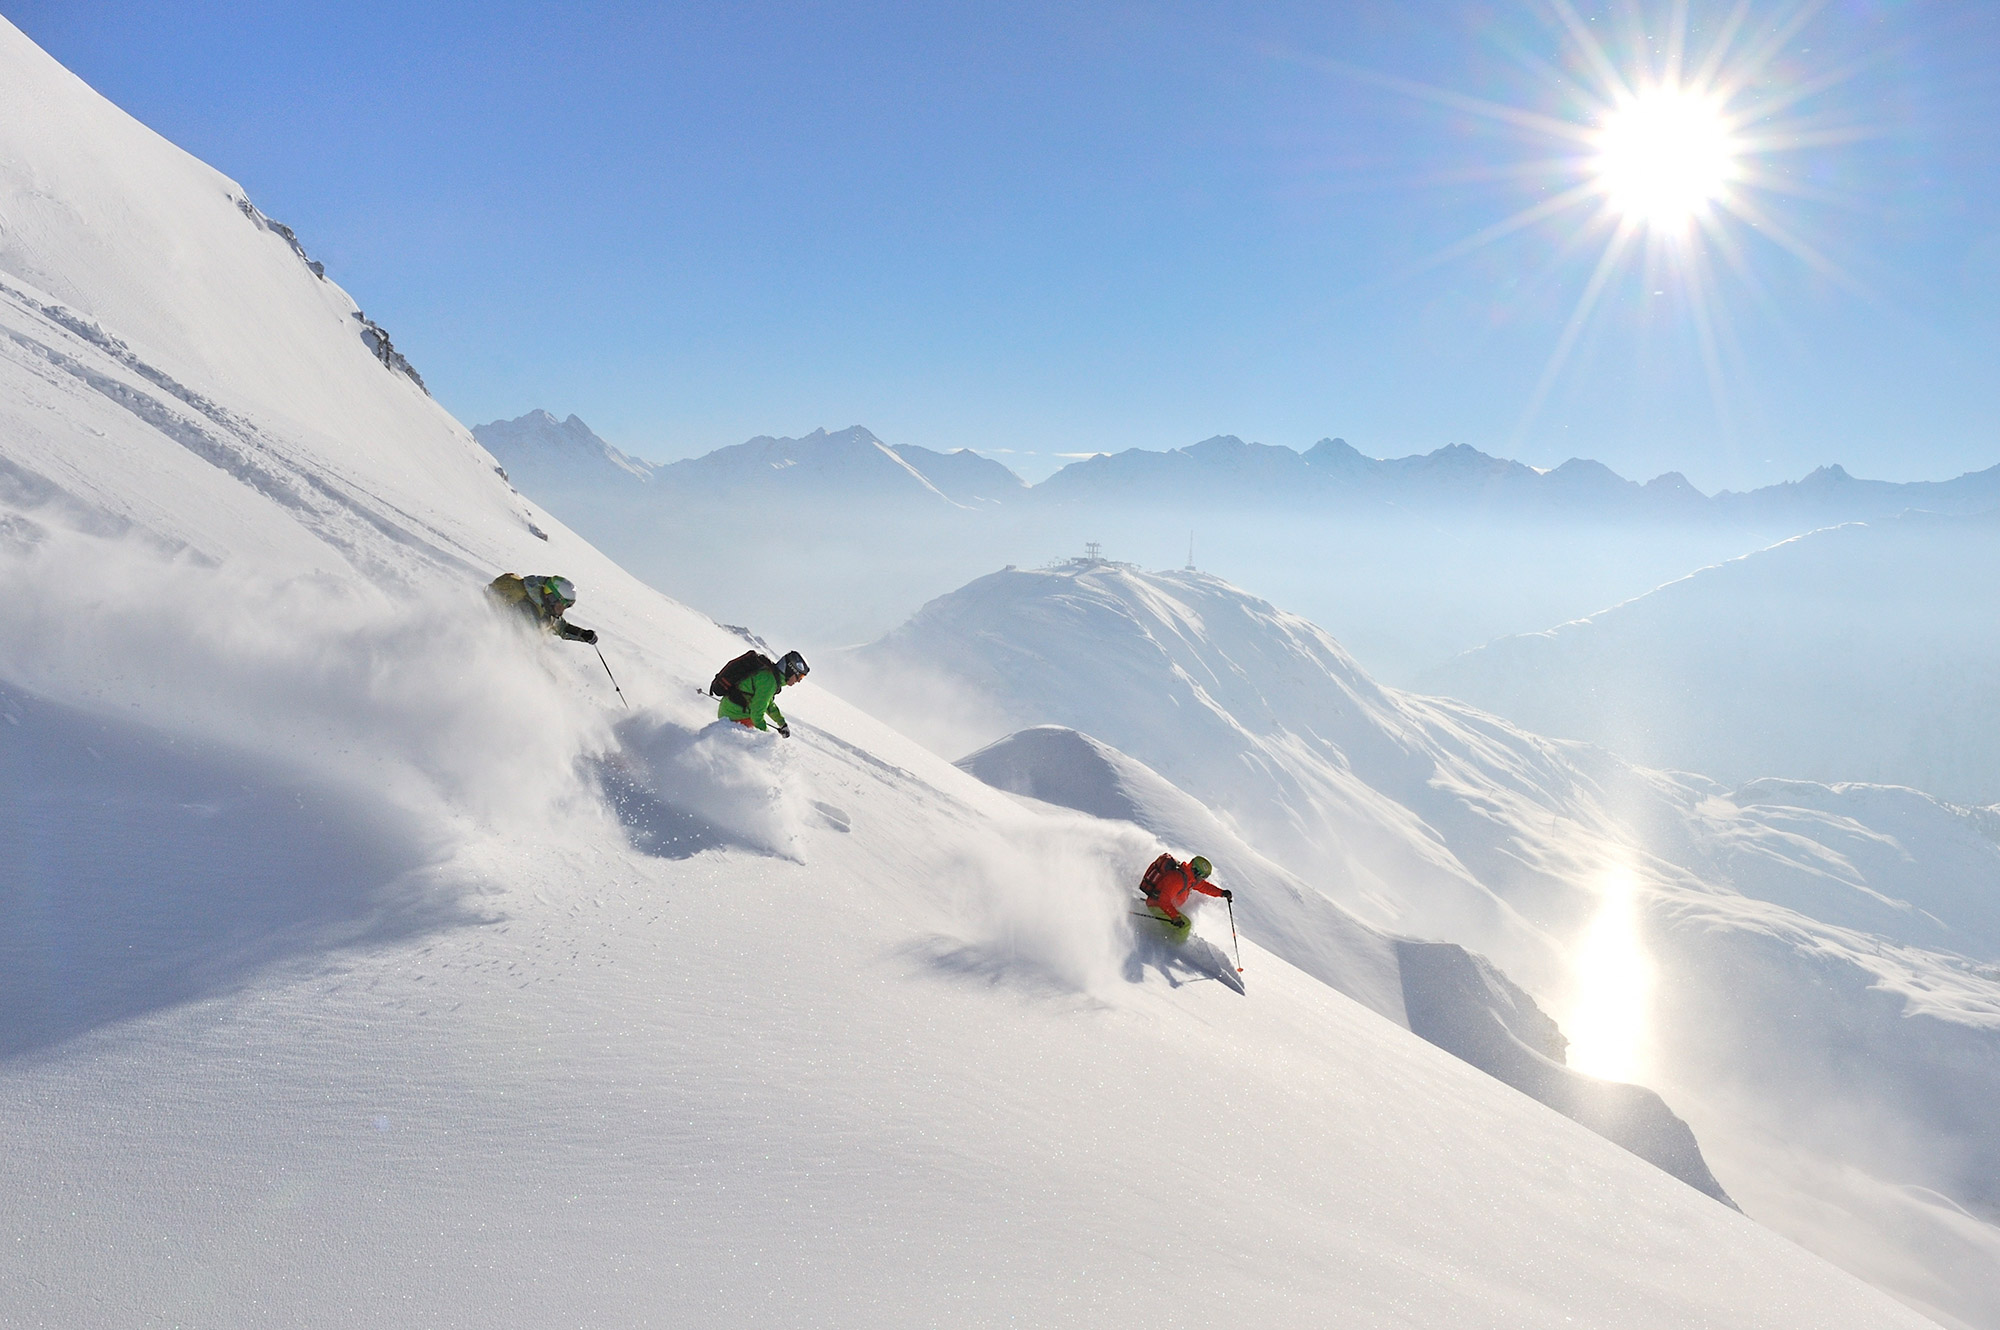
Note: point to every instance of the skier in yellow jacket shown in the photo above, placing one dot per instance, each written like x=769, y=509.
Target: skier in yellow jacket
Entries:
x=544, y=601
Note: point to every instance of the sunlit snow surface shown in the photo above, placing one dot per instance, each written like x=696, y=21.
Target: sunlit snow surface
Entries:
x=368, y=964
x=1816, y=994
x=1607, y=1016
x=1450, y=997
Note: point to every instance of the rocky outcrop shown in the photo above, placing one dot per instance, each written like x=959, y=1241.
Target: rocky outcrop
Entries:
x=373, y=335
x=377, y=339
x=279, y=229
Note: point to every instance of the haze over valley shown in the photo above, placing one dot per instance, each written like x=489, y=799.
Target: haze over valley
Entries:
x=474, y=876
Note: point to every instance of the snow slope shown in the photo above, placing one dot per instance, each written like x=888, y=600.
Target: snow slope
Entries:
x=1855, y=653
x=1438, y=990
x=1806, y=973
x=366, y=963
x=1253, y=711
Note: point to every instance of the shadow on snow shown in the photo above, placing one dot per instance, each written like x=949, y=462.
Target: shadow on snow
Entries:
x=1178, y=963
x=139, y=871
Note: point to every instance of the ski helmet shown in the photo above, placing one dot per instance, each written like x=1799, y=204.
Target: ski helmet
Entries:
x=558, y=590
x=792, y=667
x=1200, y=867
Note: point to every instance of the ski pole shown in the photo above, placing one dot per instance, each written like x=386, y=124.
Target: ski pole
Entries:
x=609, y=675
x=1232, y=933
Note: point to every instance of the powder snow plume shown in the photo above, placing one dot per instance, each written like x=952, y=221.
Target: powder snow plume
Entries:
x=431, y=698
x=1040, y=905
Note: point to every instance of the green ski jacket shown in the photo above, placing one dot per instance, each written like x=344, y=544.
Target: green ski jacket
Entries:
x=762, y=689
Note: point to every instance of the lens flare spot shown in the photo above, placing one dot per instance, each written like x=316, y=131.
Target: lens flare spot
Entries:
x=1665, y=155
x=1613, y=980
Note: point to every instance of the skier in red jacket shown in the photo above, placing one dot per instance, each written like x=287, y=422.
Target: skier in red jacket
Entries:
x=1168, y=883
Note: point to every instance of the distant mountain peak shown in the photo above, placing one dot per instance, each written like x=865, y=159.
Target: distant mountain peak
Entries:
x=851, y=461
x=1225, y=469
x=852, y=436
x=1465, y=457
x=538, y=441
x=1577, y=466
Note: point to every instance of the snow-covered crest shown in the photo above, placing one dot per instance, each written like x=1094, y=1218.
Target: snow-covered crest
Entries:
x=542, y=451
x=1450, y=997
x=1778, y=924
x=380, y=1050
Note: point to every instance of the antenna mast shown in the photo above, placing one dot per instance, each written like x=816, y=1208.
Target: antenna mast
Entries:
x=1190, y=563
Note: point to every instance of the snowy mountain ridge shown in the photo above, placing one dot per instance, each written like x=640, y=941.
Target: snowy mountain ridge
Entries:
x=1437, y=990
x=1332, y=472
x=1823, y=957
x=818, y=465
x=545, y=450
x=566, y=460
x=1430, y=556
x=364, y=961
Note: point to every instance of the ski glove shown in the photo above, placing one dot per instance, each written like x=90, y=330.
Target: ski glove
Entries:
x=785, y=731
x=1181, y=922
x=587, y=636
x=1228, y=895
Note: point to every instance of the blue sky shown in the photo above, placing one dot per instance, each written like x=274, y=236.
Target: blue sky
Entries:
x=1038, y=229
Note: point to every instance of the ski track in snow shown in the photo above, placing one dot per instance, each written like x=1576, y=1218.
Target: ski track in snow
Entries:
x=1863, y=1037
x=358, y=967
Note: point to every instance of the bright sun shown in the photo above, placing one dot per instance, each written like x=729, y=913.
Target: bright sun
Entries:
x=1664, y=155
x=1664, y=145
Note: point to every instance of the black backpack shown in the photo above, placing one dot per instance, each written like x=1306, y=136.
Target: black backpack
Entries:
x=728, y=682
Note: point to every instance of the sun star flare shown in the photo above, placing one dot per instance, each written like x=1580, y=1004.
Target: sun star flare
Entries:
x=1665, y=155
x=1664, y=163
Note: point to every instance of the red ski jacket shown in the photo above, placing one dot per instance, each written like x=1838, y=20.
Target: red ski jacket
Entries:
x=1168, y=882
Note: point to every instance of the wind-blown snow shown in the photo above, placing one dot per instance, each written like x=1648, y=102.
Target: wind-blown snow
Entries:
x=1802, y=985
x=1438, y=990
x=368, y=963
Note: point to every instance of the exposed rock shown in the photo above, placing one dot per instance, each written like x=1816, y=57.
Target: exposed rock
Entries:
x=377, y=338
x=279, y=229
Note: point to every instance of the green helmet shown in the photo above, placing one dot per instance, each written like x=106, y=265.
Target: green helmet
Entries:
x=1200, y=867
x=557, y=591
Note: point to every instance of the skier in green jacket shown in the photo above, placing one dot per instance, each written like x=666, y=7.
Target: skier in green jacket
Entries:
x=748, y=687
